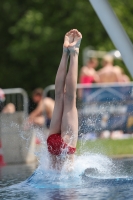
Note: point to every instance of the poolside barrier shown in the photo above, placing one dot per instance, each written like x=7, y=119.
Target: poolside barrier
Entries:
x=14, y=147
x=18, y=145
x=18, y=97
x=103, y=107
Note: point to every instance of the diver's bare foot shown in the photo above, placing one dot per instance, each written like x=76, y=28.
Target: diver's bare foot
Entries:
x=72, y=41
x=69, y=38
x=73, y=47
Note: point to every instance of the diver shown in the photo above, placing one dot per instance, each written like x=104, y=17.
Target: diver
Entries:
x=63, y=133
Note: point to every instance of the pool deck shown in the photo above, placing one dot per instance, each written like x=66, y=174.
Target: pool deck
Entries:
x=126, y=156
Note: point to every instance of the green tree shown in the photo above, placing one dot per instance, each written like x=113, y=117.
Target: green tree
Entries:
x=32, y=33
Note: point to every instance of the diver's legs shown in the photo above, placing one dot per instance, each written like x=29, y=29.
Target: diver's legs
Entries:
x=69, y=126
x=55, y=126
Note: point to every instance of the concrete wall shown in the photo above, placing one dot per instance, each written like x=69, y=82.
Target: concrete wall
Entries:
x=16, y=149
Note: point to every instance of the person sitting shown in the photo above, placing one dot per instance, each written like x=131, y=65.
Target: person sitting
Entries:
x=2, y=99
x=9, y=108
x=36, y=97
x=42, y=114
x=63, y=133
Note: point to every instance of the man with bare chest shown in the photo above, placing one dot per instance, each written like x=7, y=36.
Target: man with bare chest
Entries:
x=108, y=74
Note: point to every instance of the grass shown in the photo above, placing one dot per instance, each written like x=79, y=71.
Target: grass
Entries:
x=109, y=147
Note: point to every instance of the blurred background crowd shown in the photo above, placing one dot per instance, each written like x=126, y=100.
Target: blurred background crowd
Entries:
x=31, y=37
x=32, y=33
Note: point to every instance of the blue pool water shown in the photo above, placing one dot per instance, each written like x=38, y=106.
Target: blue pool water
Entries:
x=113, y=180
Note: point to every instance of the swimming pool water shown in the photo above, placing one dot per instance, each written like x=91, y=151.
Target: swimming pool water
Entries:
x=25, y=182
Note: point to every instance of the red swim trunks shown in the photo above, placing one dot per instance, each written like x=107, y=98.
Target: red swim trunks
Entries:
x=56, y=145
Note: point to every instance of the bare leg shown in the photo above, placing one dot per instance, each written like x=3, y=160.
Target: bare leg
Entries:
x=69, y=127
x=55, y=126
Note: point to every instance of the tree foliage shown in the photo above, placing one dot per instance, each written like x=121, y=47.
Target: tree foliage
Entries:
x=32, y=34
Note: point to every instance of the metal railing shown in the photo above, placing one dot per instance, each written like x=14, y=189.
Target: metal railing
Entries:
x=18, y=97
x=104, y=106
x=85, y=86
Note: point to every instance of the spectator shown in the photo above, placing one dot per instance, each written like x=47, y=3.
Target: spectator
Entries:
x=121, y=74
x=108, y=74
x=2, y=99
x=37, y=95
x=9, y=108
x=88, y=74
x=42, y=114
